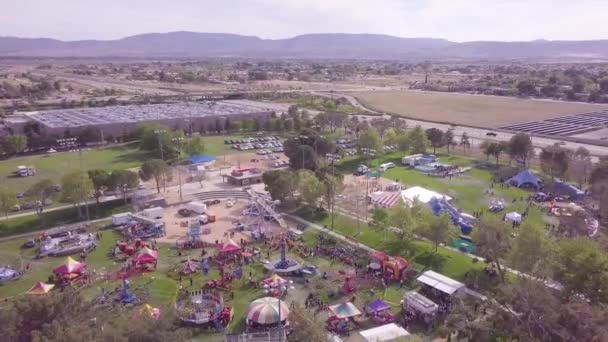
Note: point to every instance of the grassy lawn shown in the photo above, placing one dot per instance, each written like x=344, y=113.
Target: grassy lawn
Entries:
x=55, y=218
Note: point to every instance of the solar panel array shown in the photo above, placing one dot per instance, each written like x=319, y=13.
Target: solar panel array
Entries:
x=78, y=117
x=565, y=125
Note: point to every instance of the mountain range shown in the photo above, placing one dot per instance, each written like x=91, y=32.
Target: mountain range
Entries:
x=330, y=46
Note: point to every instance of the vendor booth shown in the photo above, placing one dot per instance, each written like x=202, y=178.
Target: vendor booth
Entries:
x=341, y=318
x=385, y=333
x=380, y=311
x=513, y=217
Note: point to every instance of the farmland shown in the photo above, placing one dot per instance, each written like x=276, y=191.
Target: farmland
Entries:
x=469, y=110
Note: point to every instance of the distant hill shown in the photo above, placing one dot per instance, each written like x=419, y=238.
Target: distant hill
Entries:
x=334, y=46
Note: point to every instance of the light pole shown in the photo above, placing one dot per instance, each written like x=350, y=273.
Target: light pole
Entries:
x=67, y=143
x=178, y=141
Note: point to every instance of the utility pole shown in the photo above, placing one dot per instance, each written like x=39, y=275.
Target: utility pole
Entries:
x=179, y=140
x=158, y=133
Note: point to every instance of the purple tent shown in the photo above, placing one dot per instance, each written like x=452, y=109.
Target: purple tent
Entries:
x=378, y=305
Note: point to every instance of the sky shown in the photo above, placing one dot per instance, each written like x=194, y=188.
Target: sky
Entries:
x=456, y=20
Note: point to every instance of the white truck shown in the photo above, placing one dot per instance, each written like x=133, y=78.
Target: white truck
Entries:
x=120, y=219
x=154, y=212
x=196, y=207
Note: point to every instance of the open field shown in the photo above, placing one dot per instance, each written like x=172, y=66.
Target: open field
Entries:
x=471, y=110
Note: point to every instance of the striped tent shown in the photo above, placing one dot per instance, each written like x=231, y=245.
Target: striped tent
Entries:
x=344, y=310
x=70, y=266
x=266, y=311
x=387, y=199
x=40, y=288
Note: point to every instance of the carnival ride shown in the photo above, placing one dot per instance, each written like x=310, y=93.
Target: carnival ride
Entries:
x=123, y=250
x=283, y=265
x=266, y=313
x=464, y=221
x=224, y=282
x=144, y=228
x=125, y=296
x=203, y=308
x=393, y=268
x=66, y=240
x=8, y=273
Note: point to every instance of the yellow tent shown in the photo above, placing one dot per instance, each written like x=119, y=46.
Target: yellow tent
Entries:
x=40, y=288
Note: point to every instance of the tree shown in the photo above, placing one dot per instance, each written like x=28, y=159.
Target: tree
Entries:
x=554, y=160
x=438, y=230
x=304, y=150
x=293, y=111
x=526, y=88
x=435, y=137
x=406, y=219
x=391, y=137
x=465, y=141
x=41, y=190
x=497, y=149
x=380, y=220
x=14, y=144
x=124, y=181
x=333, y=185
x=100, y=178
x=531, y=250
x=487, y=147
x=580, y=166
x=521, y=148
x=418, y=140
x=604, y=86
x=448, y=139
x=370, y=139
x=77, y=188
x=155, y=169
x=582, y=267
x=89, y=135
x=195, y=146
x=8, y=198
x=492, y=240
x=157, y=139
x=309, y=187
x=281, y=184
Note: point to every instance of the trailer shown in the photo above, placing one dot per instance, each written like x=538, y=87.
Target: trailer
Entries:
x=121, y=219
x=196, y=207
x=154, y=212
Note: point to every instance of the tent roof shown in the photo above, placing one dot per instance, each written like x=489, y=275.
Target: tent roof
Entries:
x=69, y=266
x=274, y=280
x=561, y=187
x=203, y=158
x=146, y=255
x=401, y=263
x=526, y=177
x=423, y=195
x=266, y=311
x=378, y=305
x=40, y=288
x=420, y=303
x=228, y=246
x=440, y=282
x=387, y=332
x=345, y=310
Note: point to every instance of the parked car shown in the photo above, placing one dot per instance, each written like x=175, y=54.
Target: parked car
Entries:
x=31, y=243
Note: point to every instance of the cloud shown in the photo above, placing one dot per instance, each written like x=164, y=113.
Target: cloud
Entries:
x=459, y=20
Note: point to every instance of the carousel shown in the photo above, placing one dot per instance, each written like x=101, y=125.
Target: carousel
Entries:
x=266, y=313
x=203, y=308
x=276, y=285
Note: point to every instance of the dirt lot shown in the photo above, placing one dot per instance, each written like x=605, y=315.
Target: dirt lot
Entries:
x=471, y=110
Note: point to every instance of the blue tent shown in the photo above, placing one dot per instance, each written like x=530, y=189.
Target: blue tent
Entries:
x=566, y=189
x=203, y=158
x=526, y=178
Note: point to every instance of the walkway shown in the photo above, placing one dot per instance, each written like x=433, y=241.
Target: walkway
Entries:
x=66, y=206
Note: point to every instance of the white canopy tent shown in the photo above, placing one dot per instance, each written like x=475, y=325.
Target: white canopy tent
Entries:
x=419, y=303
x=387, y=332
x=421, y=194
x=513, y=217
x=441, y=282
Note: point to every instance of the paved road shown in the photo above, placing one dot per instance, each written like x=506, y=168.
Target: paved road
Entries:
x=33, y=212
x=477, y=134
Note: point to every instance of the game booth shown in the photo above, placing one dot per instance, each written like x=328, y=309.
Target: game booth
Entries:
x=342, y=318
x=203, y=308
x=440, y=289
x=70, y=271
x=266, y=313
x=380, y=311
x=228, y=250
x=40, y=288
x=417, y=306
x=145, y=260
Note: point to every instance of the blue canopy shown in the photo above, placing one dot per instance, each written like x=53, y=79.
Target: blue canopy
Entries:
x=567, y=189
x=203, y=158
x=526, y=178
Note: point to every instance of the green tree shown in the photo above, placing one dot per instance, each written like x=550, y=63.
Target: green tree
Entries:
x=124, y=181
x=309, y=187
x=157, y=139
x=77, y=188
x=526, y=88
x=100, y=178
x=155, y=169
x=281, y=184
x=41, y=190
x=487, y=147
x=492, y=238
x=391, y=137
x=370, y=139
x=380, y=220
x=438, y=229
x=580, y=166
x=582, y=267
x=520, y=147
x=195, y=146
x=448, y=139
x=14, y=144
x=435, y=137
x=293, y=111
x=333, y=185
x=8, y=198
x=531, y=250
x=465, y=141
x=555, y=160
x=418, y=140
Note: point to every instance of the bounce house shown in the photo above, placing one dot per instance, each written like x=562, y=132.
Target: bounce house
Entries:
x=392, y=267
x=464, y=221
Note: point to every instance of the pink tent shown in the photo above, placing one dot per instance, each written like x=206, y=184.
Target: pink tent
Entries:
x=228, y=247
x=146, y=256
x=70, y=266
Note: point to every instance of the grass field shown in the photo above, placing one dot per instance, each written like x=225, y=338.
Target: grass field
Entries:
x=471, y=110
